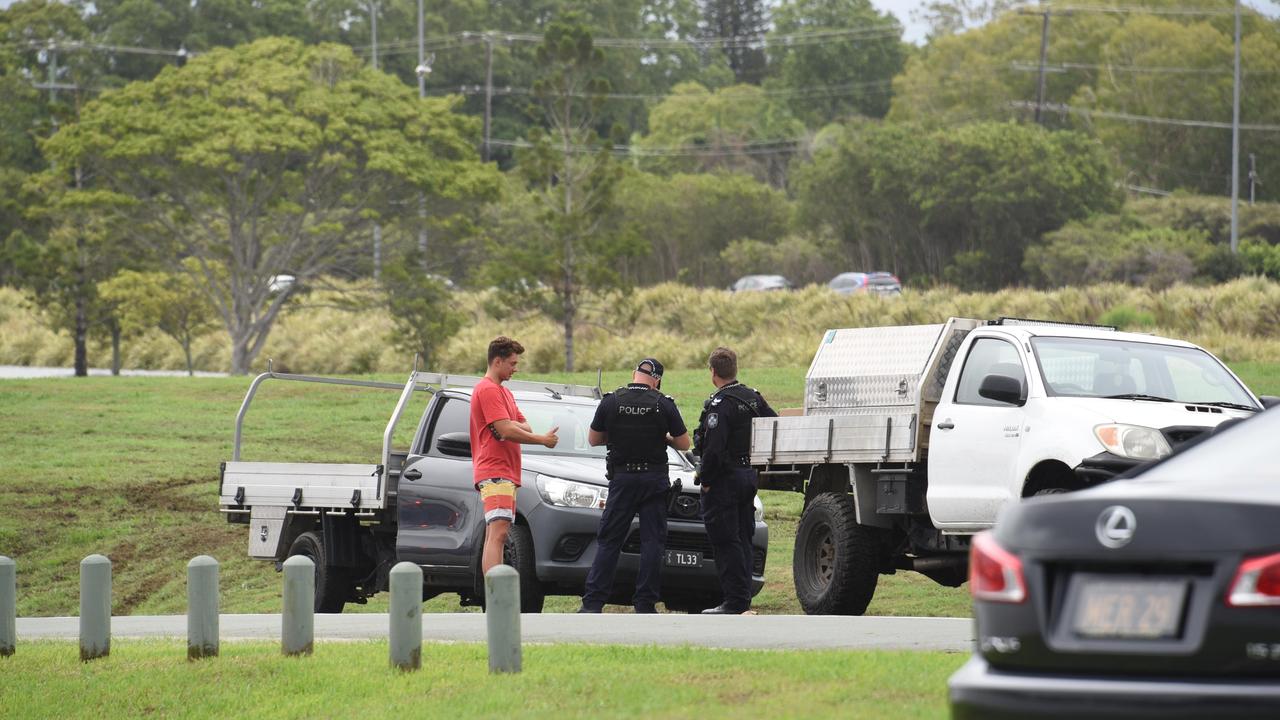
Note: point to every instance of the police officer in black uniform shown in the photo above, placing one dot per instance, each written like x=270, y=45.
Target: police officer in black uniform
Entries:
x=637, y=423
x=723, y=440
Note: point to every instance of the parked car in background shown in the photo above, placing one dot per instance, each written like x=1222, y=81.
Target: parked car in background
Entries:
x=1157, y=596
x=760, y=282
x=879, y=283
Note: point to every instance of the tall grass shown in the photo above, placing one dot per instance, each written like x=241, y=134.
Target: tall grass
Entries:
x=677, y=323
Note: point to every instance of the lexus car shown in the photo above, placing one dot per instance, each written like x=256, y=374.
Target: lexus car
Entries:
x=1151, y=596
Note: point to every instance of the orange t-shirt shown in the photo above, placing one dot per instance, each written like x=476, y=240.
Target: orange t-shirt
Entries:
x=491, y=457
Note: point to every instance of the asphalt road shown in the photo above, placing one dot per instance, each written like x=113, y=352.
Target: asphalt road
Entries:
x=738, y=632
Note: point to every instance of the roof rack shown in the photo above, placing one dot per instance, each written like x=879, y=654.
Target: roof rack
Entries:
x=1058, y=323
x=443, y=380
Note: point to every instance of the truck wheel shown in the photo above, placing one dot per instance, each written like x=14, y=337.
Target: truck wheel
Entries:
x=518, y=553
x=835, y=564
x=333, y=584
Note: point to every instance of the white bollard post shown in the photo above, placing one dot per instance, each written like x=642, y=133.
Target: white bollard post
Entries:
x=502, y=618
x=8, y=606
x=202, y=607
x=95, y=607
x=406, y=616
x=298, y=630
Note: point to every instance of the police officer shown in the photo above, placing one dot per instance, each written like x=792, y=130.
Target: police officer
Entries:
x=723, y=440
x=637, y=423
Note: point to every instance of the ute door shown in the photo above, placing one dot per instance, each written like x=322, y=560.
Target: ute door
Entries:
x=438, y=510
x=976, y=436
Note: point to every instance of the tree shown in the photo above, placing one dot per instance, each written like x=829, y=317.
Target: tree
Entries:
x=738, y=129
x=833, y=79
x=739, y=21
x=571, y=176
x=420, y=306
x=170, y=302
x=687, y=220
x=272, y=158
x=913, y=202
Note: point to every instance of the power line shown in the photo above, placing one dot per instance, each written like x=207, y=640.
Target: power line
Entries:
x=1026, y=66
x=64, y=45
x=1129, y=117
x=868, y=87
x=1121, y=10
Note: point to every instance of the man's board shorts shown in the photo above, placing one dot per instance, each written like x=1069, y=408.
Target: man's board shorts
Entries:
x=499, y=498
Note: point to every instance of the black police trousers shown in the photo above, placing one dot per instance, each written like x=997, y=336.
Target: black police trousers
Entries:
x=728, y=509
x=631, y=493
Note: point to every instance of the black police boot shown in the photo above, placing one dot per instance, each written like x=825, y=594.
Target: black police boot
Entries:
x=646, y=610
x=723, y=609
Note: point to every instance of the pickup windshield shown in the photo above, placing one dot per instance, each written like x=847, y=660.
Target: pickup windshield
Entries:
x=574, y=420
x=1090, y=367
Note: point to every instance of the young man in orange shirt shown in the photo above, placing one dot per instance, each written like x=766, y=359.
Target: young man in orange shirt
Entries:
x=498, y=428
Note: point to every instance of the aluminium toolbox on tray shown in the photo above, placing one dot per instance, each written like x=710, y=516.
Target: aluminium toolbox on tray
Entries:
x=869, y=396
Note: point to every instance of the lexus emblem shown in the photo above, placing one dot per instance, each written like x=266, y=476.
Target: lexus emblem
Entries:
x=1116, y=526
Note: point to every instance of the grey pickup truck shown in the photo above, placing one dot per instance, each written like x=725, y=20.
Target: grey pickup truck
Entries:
x=418, y=504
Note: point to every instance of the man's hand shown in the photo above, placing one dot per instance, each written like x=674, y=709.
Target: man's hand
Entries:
x=551, y=439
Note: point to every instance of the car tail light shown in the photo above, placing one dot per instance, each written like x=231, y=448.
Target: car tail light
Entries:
x=1257, y=583
x=995, y=574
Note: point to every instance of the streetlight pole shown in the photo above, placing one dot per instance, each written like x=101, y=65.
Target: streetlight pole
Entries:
x=421, y=72
x=1235, y=144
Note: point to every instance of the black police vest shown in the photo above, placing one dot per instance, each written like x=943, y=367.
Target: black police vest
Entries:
x=748, y=404
x=637, y=428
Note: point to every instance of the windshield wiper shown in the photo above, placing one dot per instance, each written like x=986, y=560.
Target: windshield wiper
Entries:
x=1136, y=396
x=1225, y=404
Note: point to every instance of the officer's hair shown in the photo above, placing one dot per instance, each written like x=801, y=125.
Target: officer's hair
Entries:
x=724, y=363
x=504, y=347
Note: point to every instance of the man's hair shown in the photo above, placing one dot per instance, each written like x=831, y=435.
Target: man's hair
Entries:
x=724, y=363
x=504, y=347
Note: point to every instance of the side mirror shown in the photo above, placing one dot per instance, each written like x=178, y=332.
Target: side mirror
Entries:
x=455, y=444
x=1269, y=401
x=1003, y=389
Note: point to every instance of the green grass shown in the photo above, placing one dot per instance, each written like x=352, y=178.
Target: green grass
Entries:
x=153, y=679
x=128, y=467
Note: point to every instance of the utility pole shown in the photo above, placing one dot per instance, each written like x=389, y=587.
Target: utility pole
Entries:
x=488, y=92
x=1235, y=144
x=377, y=226
x=1044, y=55
x=1253, y=175
x=421, y=71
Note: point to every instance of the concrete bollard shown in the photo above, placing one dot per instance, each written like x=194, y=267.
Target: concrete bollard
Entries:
x=95, y=607
x=202, y=607
x=502, y=618
x=406, y=616
x=299, y=618
x=8, y=606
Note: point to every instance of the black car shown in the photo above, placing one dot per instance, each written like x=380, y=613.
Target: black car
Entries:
x=1156, y=596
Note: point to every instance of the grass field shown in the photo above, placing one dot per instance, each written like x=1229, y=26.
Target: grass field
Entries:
x=153, y=679
x=128, y=467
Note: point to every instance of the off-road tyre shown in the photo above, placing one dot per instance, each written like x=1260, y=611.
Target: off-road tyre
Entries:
x=836, y=560
x=333, y=584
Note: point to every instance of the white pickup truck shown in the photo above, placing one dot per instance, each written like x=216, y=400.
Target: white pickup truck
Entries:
x=912, y=438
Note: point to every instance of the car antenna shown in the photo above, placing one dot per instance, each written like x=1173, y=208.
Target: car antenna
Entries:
x=555, y=394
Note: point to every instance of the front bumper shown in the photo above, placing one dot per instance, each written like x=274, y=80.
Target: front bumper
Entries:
x=1103, y=467
x=978, y=691
x=564, y=546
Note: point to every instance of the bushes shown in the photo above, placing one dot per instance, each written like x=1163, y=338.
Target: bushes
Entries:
x=681, y=325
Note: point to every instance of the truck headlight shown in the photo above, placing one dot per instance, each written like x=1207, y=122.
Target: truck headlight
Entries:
x=566, y=493
x=1133, y=441
x=759, y=508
